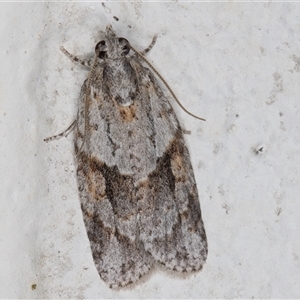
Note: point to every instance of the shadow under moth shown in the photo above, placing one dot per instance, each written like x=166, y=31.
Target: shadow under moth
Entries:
x=136, y=184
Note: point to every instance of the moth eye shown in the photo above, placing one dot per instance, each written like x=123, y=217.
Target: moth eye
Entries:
x=102, y=54
x=125, y=45
x=100, y=45
x=100, y=49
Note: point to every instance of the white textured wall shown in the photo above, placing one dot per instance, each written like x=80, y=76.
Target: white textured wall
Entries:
x=235, y=64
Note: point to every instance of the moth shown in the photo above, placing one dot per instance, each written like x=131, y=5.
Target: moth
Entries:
x=136, y=184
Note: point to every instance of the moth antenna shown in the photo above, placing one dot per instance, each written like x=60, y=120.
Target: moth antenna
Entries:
x=164, y=82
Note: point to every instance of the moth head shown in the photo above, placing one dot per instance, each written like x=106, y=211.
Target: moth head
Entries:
x=112, y=48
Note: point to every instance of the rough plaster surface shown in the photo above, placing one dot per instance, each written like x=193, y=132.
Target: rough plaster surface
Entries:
x=235, y=64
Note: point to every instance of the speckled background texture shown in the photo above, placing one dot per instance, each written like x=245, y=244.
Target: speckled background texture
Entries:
x=234, y=64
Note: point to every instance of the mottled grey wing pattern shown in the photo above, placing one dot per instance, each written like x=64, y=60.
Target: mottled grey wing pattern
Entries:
x=137, y=189
x=119, y=257
x=170, y=222
x=108, y=199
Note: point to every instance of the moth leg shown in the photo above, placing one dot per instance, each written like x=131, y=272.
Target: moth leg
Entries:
x=150, y=46
x=84, y=62
x=65, y=133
